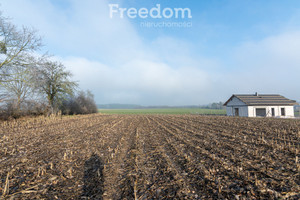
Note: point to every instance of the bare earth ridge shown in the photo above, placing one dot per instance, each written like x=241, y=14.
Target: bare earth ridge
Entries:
x=149, y=157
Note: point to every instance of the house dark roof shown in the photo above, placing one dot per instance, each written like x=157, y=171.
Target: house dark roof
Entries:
x=263, y=100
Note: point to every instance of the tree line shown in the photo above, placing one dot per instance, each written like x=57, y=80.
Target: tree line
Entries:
x=34, y=83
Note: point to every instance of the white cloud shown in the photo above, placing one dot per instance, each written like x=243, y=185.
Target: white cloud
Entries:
x=109, y=57
x=140, y=81
x=280, y=51
x=271, y=65
x=83, y=29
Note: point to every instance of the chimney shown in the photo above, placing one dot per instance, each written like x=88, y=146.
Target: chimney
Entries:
x=256, y=94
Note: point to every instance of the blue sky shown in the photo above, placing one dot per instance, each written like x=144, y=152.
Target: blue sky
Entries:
x=233, y=46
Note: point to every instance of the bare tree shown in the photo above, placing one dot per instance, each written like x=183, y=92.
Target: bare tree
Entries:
x=16, y=44
x=54, y=81
x=16, y=47
x=3, y=94
x=20, y=85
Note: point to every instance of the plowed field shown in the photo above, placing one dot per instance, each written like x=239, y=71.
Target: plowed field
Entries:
x=149, y=157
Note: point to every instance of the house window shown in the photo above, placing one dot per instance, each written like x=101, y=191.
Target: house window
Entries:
x=282, y=111
x=261, y=112
x=273, y=112
x=236, y=112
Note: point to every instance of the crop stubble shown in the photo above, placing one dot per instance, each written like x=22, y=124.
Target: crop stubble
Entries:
x=149, y=157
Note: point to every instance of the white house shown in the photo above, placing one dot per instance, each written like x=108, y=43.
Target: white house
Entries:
x=260, y=105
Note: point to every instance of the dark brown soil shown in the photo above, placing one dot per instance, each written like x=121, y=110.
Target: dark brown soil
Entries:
x=149, y=157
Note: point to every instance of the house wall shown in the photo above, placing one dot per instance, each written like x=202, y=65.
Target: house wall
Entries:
x=289, y=111
x=236, y=102
x=243, y=111
x=229, y=111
